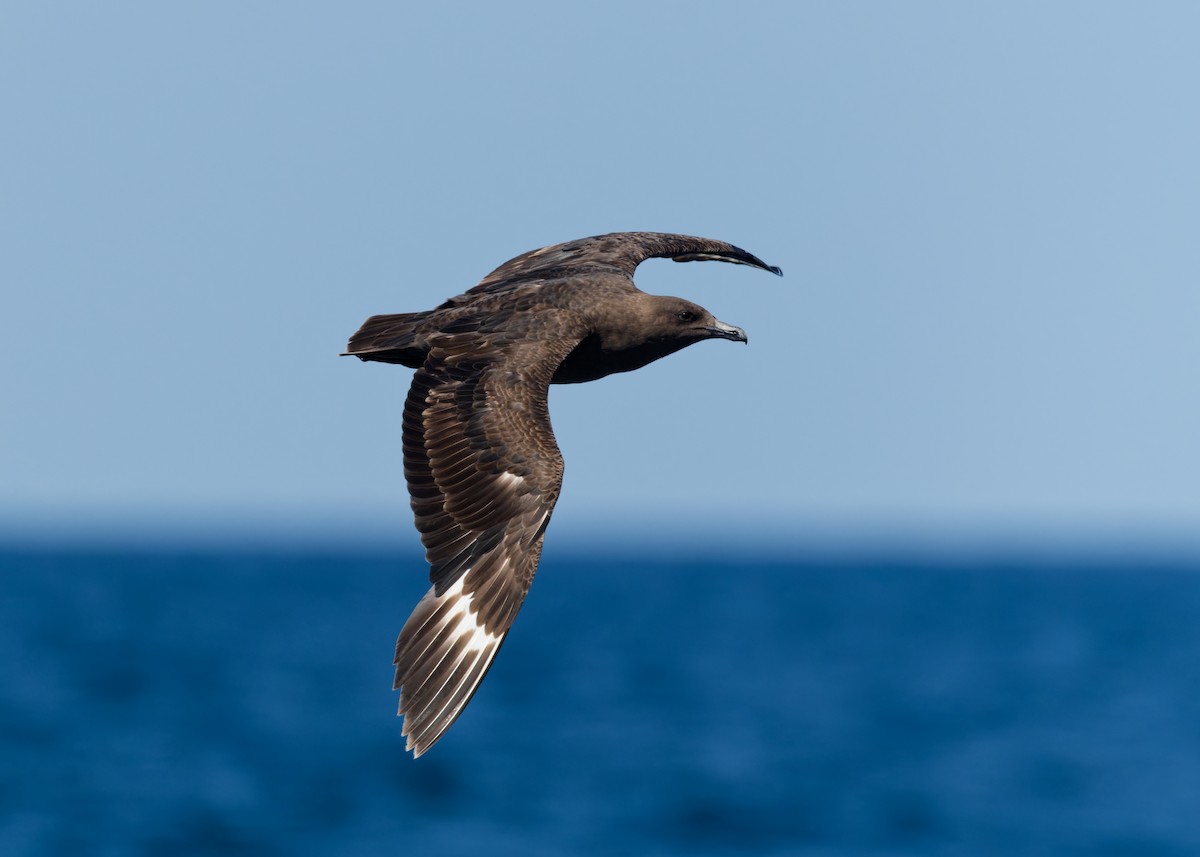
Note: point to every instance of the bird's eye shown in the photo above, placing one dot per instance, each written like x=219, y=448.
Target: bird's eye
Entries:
x=686, y=315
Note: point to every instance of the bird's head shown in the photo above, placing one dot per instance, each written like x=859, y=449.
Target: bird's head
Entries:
x=676, y=319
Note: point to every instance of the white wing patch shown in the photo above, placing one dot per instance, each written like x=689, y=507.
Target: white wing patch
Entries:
x=509, y=480
x=458, y=650
x=469, y=632
x=711, y=257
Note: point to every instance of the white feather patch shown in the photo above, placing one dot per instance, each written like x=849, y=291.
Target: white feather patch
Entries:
x=509, y=480
x=471, y=649
x=465, y=619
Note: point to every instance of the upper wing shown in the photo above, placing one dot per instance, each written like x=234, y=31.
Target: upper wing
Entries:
x=622, y=251
x=484, y=472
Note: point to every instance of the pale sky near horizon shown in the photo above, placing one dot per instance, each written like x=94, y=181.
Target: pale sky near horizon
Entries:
x=987, y=217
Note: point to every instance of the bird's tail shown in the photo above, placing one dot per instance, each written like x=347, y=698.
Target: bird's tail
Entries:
x=395, y=338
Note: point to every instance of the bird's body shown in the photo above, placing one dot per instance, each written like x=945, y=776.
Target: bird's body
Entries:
x=482, y=465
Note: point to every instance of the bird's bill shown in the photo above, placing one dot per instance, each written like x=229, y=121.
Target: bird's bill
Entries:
x=721, y=330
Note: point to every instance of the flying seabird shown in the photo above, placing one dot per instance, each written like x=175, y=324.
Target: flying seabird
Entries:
x=482, y=466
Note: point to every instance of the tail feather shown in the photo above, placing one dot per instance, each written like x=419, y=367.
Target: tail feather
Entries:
x=394, y=338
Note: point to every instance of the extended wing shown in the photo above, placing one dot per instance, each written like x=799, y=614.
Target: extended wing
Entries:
x=622, y=251
x=484, y=473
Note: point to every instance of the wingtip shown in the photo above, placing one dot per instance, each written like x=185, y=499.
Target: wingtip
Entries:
x=420, y=744
x=410, y=743
x=738, y=257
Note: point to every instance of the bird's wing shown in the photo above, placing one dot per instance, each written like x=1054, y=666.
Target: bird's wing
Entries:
x=620, y=251
x=484, y=472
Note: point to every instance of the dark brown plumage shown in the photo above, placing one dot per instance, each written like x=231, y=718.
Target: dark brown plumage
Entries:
x=482, y=465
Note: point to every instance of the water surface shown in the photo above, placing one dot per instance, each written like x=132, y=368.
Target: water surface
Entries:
x=183, y=702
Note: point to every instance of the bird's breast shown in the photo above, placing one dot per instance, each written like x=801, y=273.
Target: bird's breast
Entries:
x=591, y=360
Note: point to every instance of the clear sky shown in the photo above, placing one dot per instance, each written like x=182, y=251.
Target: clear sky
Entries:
x=988, y=216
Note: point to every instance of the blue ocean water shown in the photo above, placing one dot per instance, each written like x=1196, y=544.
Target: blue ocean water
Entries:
x=187, y=702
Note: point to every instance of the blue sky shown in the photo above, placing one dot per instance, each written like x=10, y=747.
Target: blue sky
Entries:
x=987, y=217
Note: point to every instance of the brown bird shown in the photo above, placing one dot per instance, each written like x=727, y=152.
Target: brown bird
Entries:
x=482, y=466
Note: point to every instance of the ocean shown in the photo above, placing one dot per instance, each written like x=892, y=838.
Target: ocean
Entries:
x=188, y=701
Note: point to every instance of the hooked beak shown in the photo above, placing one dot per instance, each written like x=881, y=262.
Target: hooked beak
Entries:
x=721, y=330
